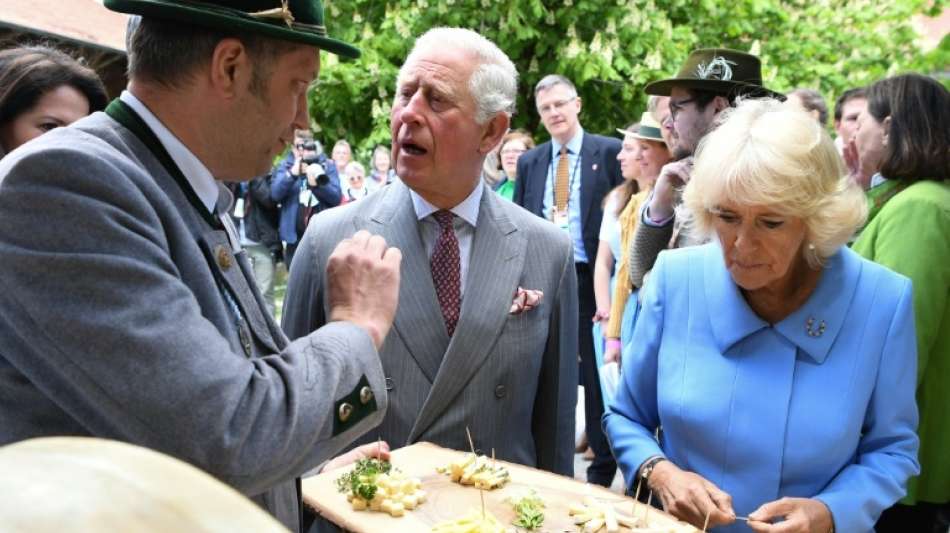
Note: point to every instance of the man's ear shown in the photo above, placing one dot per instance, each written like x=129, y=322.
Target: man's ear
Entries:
x=886, y=127
x=495, y=129
x=720, y=103
x=231, y=68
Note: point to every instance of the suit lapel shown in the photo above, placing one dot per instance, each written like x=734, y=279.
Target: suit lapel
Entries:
x=538, y=174
x=418, y=321
x=495, y=266
x=589, y=153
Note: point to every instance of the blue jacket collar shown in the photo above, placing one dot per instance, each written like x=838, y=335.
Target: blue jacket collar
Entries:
x=733, y=320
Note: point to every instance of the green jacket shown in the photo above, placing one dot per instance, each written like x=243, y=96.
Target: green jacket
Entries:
x=910, y=234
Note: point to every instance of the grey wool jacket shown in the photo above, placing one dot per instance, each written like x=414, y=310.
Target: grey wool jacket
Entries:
x=125, y=314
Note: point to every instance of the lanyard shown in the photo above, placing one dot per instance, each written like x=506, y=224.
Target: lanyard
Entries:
x=570, y=181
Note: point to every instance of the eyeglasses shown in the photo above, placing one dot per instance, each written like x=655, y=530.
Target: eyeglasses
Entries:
x=508, y=151
x=555, y=106
x=676, y=107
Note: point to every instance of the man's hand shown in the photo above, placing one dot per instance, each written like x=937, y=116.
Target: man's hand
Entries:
x=363, y=283
x=800, y=515
x=690, y=497
x=379, y=450
x=672, y=176
x=601, y=315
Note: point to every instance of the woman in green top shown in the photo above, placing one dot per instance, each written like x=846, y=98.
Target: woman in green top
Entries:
x=904, y=134
x=513, y=144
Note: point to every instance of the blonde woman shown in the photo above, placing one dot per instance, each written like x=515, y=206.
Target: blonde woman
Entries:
x=779, y=364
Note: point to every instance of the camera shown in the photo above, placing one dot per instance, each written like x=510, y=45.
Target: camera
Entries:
x=316, y=172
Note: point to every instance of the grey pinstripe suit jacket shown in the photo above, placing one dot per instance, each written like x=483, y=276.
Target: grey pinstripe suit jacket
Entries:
x=511, y=379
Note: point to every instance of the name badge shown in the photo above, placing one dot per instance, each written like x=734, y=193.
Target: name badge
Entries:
x=561, y=218
x=239, y=208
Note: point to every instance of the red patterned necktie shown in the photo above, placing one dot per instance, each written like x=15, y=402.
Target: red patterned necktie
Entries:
x=446, y=270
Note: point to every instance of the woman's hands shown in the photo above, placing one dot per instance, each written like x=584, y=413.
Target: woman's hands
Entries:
x=690, y=497
x=799, y=515
x=379, y=450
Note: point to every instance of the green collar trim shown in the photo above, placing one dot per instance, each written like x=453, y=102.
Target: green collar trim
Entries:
x=125, y=115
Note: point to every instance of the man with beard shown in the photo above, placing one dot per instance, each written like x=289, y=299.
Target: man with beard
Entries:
x=709, y=82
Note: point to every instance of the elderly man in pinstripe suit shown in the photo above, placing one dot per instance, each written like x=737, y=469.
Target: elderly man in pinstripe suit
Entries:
x=460, y=354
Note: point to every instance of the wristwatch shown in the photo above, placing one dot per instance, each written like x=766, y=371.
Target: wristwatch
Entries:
x=647, y=468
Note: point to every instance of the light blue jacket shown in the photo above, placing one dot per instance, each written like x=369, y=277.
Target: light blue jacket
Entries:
x=768, y=411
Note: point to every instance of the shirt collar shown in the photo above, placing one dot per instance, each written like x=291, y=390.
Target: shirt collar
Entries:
x=573, y=146
x=733, y=320
x=467, y=209
x=197, y=174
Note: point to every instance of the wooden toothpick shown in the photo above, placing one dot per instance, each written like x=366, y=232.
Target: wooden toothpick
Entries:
x=706, y=521
x=646, y=517
x=470, y=441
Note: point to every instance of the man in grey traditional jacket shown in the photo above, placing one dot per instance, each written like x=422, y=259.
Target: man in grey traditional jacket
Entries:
x=128, y=310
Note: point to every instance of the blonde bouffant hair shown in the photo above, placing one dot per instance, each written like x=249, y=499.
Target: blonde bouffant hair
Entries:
x=765, y=153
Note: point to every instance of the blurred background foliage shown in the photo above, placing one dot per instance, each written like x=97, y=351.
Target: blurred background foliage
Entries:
x=612, y=48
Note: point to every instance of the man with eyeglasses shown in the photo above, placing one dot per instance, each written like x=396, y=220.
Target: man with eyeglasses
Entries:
x=709, y=82
x=565, y=181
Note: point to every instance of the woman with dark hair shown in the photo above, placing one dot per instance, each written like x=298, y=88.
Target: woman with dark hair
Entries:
x=42, y=88
x=904, y=136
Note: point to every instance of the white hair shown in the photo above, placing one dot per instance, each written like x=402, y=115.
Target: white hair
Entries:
x=354, y=167
x=494, y=82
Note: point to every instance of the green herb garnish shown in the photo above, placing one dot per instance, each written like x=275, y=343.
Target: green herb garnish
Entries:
x=529, y=510
x=361, y=481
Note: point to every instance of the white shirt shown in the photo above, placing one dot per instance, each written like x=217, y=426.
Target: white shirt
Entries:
x=197, y=174
x=466, y=217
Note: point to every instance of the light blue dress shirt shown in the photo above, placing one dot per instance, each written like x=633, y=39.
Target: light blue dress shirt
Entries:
x=766, y=411
x=574, y=181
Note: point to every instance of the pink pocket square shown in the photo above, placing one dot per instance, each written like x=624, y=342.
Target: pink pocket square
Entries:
x=525, y=300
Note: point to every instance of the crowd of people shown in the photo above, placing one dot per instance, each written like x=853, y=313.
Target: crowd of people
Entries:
x=776, y=299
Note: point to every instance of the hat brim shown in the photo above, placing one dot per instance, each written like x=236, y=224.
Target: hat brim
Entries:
x=635, y=135
x=197, y=14
x=664, y=87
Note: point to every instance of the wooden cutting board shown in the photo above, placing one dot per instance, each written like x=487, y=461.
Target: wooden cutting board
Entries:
x=448, y=500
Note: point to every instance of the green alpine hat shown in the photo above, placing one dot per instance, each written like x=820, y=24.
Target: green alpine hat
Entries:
x=290, y=20
x=720, y=70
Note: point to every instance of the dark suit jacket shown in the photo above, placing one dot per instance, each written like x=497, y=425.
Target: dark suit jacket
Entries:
x=600, y=173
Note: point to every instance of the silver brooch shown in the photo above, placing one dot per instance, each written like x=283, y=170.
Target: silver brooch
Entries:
x=810, y=327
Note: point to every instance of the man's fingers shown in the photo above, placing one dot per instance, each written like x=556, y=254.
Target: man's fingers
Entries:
x=360, y=238
x=393, y=257
x=376, y=246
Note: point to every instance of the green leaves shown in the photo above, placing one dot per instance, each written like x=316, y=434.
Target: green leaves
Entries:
x=361, y=481
x=612, y=48
x=529, y=511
